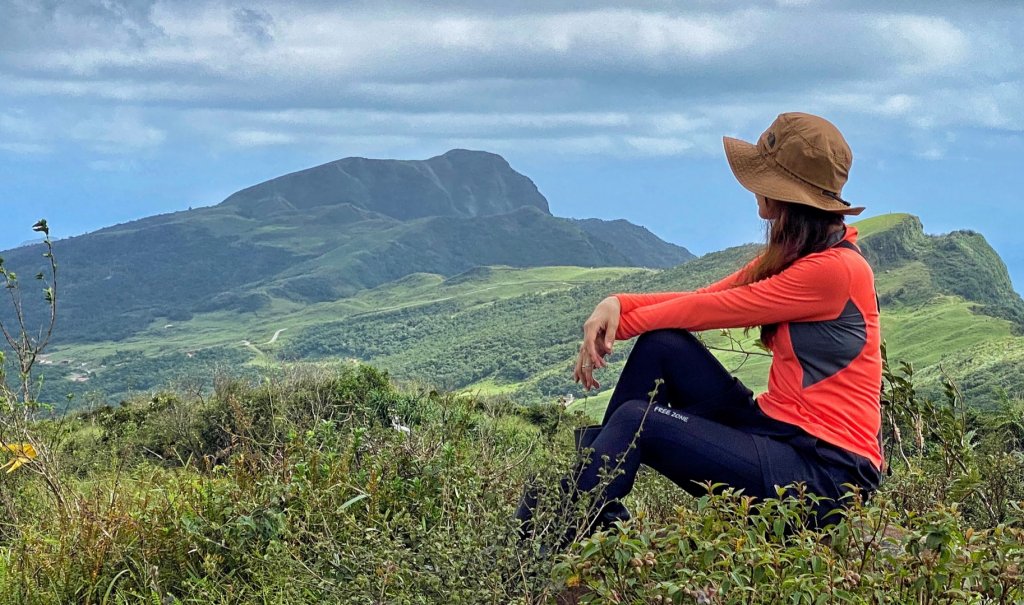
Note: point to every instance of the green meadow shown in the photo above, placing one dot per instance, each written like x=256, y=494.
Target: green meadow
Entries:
x=514, y=331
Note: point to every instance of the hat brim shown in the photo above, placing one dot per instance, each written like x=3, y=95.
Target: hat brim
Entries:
x=758, y=176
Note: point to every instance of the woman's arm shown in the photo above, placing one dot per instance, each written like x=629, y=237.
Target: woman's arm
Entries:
x=812, y=289
x=634, y=301
x=730, y=281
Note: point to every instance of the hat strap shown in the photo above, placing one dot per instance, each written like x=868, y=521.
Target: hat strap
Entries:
x=834, y=196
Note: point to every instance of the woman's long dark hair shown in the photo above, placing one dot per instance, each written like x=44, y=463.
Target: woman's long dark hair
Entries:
x=795, y=230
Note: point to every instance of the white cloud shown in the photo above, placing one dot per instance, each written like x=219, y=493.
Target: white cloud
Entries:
x=430, y=122
x=17, y=125
x=659, y=145
x=121, y=131
x=115, y=90
x=898, y=104
x=107, y=131
x=673, y=123
x=257, y=25
x=653, y=78
x=21, y=135
x=924, y=43
x=25, y=148
x=873, y=104
x=565, y=145
x=259, y=138
x=614, y=133
x=113, y=165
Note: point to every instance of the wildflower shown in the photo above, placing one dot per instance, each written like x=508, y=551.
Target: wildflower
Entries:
x=23, y=452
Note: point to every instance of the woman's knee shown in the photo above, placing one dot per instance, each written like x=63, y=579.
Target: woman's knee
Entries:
x=665, y=340
x=630, y=415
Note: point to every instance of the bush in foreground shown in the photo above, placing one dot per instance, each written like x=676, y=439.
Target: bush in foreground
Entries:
x=336, y=486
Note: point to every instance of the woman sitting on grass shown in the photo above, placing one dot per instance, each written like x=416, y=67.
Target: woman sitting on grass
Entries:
x=812, y=294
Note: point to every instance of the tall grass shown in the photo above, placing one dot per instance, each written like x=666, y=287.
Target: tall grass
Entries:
x=336, y=486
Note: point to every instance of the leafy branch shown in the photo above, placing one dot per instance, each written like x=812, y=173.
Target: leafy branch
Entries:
x=19, y=406
x=737, y=345
x=27, y=348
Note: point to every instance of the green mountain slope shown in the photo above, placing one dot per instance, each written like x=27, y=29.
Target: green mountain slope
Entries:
x=322, y=234
x=515, y=331
x=932, y=317
x=912, y=267
x=458, y=183
x=250, y=342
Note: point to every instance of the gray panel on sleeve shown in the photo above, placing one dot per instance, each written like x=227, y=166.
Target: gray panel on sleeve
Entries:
x=826, y=347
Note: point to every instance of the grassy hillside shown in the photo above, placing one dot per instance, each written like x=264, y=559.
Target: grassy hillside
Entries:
x=515, y=331
x=329, y=482
x=336, y=487
x=322, y=234
x=920, y=310
x=225, y=341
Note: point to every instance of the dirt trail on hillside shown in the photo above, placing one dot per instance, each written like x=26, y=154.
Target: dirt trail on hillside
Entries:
x=246, y=343
x=273, y=339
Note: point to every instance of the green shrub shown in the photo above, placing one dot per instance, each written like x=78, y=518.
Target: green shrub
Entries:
x=335, y=486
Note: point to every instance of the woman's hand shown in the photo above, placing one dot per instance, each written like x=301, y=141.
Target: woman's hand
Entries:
x=598, y=339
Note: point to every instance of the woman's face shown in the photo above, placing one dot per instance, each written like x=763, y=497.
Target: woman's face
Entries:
x=764, y=209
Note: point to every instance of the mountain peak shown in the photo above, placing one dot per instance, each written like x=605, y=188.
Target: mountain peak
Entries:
x=960, y=262
x=475, y=155
x=458, y=183
x=884, y=222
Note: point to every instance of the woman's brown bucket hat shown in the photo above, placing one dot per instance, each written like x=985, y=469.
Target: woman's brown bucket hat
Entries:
x=801, y=158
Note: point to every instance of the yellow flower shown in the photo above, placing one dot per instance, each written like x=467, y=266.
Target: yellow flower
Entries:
x=23, y=452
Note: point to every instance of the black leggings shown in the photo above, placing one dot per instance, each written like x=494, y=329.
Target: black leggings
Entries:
x=705, y=425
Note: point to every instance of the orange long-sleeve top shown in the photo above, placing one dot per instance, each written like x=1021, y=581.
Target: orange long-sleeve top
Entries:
x=826, y=369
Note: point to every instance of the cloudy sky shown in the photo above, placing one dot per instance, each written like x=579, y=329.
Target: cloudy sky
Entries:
x=112, y=110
